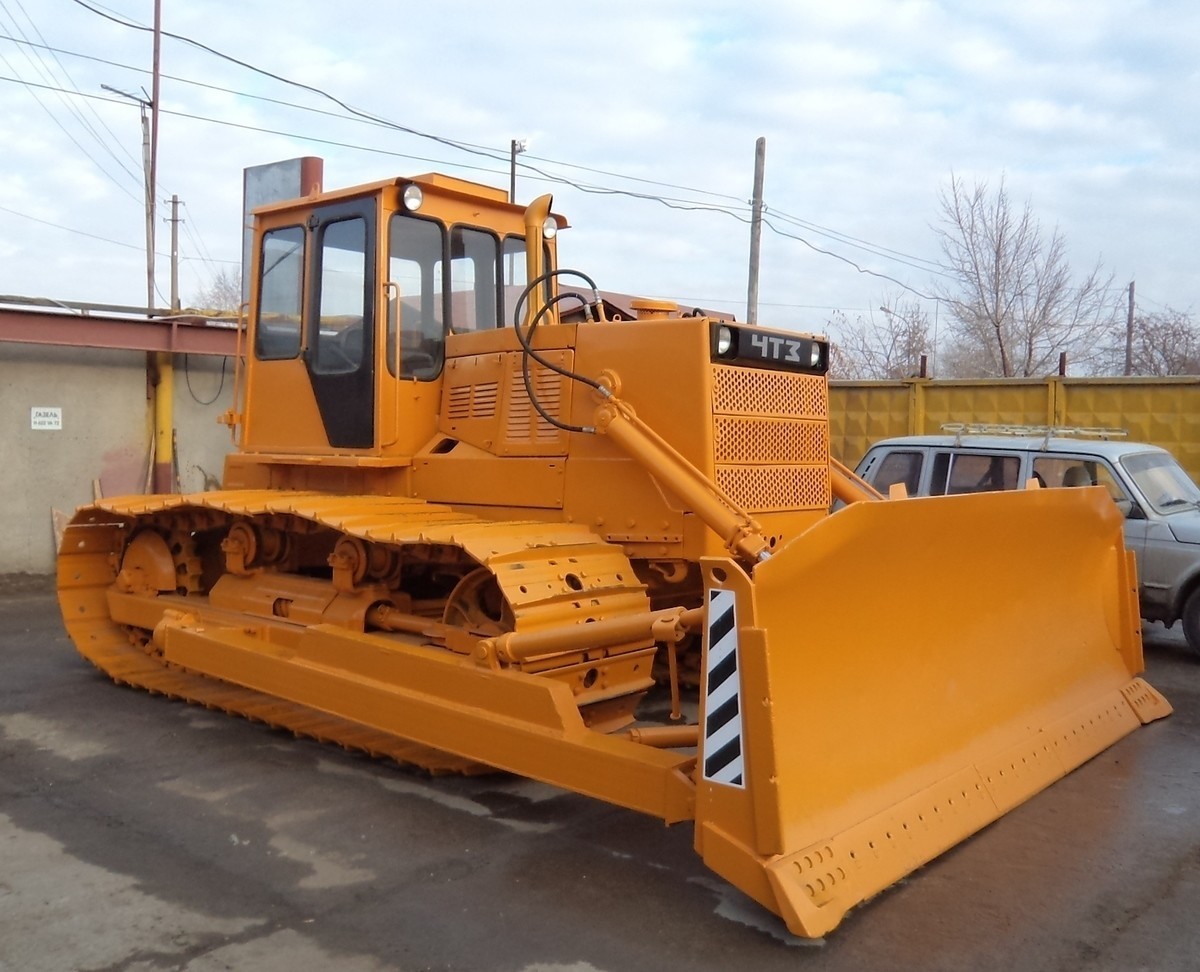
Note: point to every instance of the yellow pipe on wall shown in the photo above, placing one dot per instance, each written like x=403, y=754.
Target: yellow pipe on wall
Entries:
x=164, y=423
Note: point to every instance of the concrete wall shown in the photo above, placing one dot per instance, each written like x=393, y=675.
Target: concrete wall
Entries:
x=105, y=436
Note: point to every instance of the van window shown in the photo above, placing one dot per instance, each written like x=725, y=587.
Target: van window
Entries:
x=898, y=467
x=973, y=472
x=1163, y=481
x=1077, y=471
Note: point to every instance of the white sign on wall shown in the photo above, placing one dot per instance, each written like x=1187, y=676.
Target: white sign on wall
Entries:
x=44, y=419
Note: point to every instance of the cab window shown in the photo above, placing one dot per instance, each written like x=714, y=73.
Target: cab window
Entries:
x=474, y=285
x=516, y=275
x=280, y=290
x=342, y=299
x=416, y=297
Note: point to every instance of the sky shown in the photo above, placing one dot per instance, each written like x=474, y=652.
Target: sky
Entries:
x=640, y=116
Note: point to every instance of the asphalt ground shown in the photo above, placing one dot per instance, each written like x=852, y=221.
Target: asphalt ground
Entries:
x=138, y=833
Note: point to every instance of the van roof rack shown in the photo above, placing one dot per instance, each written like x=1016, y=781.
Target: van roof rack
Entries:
x=1047, y=431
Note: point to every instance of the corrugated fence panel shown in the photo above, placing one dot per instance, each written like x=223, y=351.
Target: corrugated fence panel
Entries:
x=1016, y=402
x=862, y=412
x=1162, y=411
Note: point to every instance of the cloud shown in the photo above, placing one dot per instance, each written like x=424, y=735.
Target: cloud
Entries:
x=1085, y=108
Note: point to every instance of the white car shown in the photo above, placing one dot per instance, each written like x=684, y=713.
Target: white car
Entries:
x=1160, y=502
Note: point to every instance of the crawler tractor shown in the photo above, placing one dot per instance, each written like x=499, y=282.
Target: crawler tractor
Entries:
x=474, y=522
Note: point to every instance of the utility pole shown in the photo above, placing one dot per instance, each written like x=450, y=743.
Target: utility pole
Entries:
x=152, y=162
x=516, y=147
x=174, y=252
x=1129, y=334
x=760, y=161
x=163, y=366
x=148, y=185
x=148, y=167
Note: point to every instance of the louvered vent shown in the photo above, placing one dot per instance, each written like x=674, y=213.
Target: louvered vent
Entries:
x=472, y=401
x=524, y=422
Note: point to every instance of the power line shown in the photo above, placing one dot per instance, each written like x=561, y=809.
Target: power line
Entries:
x=377, y=123
x=77, y=232
x=666, y=201
x=29, y=85
x=25, y=41
x=493, y=154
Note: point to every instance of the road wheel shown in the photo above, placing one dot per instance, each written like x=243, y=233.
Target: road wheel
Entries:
x=1191, y=620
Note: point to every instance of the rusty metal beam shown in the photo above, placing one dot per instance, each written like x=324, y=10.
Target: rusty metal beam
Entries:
x=179, y=335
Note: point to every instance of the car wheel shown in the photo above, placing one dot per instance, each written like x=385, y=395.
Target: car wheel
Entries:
x=1191, y=620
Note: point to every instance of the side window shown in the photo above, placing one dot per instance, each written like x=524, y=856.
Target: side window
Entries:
x=280, y=289
x=474, y=286
x=515, y=272
x=416, y=297
x=339, y=339
x=973, y=472
x=898, y=467
x=1078, y=471
x=516, y=276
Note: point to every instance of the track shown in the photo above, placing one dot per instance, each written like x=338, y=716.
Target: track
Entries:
x=537, y=588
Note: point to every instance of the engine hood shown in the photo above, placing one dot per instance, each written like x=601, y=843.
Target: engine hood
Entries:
x=1185, y=527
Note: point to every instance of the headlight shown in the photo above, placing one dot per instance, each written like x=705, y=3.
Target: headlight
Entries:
x=549, y=228
x=724, y=340
x=413, y=197
x=815, y=356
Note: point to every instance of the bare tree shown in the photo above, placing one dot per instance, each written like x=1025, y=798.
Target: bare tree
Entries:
x=1014, y=305
x=223, y=293
x=889, y=346
x=1164, y=343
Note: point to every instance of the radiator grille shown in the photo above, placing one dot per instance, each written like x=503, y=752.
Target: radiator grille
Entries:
x=750, y=391
x=771, y=439
x=738, y=439
x=770, y=489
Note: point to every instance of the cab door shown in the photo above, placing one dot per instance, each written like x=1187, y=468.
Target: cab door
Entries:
x=340, y=350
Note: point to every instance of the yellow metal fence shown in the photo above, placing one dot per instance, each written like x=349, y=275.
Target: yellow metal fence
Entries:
x=1163, y=411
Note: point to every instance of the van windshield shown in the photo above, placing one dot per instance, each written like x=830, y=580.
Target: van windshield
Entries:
x=1162, y=481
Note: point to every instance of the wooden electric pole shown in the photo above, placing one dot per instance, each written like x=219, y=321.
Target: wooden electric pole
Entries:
x=174, y=253
x=760, y=161
x=152, y=161
x=1129, y=334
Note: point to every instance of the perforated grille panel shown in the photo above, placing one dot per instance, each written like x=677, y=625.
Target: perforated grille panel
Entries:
x=738, y=439
x=771, y=439
x=767, y=489
x=750, y=391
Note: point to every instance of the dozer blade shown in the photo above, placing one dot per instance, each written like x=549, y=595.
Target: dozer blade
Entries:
x=900, y=676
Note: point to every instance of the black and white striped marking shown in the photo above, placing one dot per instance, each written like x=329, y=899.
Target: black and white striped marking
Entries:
x=723, y=756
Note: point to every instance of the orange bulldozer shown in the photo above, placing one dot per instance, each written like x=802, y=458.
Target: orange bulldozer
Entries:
x=477, y=521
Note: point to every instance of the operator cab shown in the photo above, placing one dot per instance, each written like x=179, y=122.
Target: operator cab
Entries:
x=356, y=293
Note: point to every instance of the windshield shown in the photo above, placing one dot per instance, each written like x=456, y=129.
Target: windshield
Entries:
x=1162, y=481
